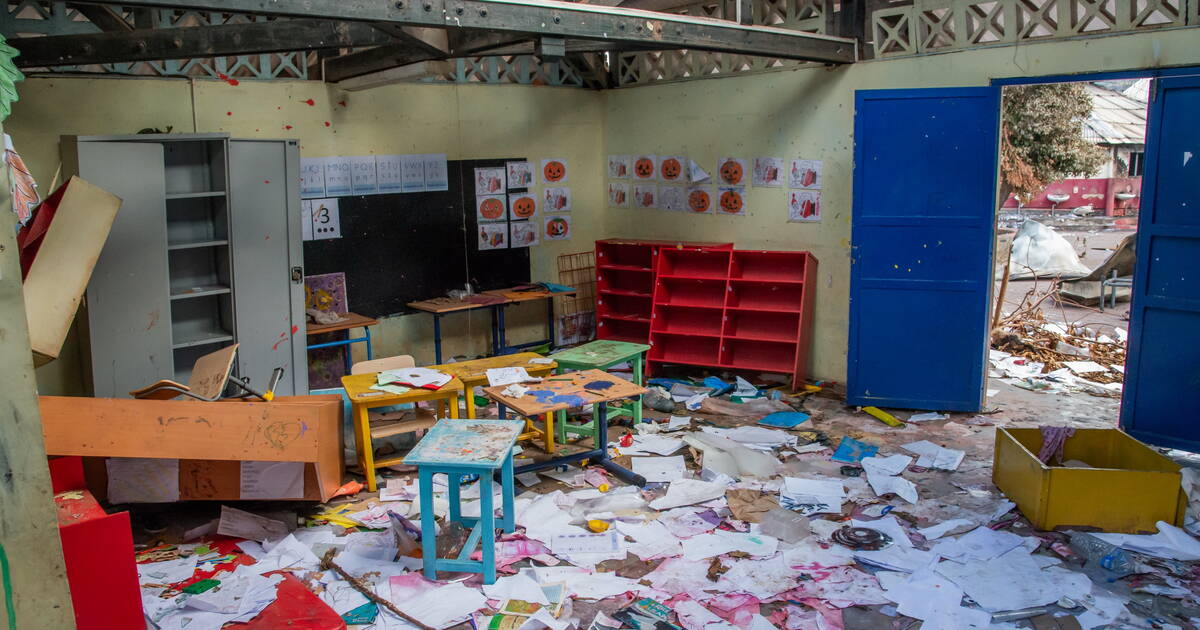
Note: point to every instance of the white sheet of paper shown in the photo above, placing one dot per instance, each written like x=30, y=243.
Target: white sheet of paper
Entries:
x=891, y=465
x=167, y=571
x=688, y=492
x=272, y=480
x=933, y=456
x=886, y=484
x=980, y=544
x=1012, y=581
x=444, y=606
x=651, y=443
x=933, y=532
x=1084, y=367
x=721, y=542
x=528, y=479
x=813, y=496
x=658, y=469
x=888, y=525
x=926, y=417
x=1169, y=542
x=142, y=480
x=509, y=375
x=240, y=524
x=585, y=543
x=815, y=447
x=519, y=586
x=679, y=422
x=651, y=540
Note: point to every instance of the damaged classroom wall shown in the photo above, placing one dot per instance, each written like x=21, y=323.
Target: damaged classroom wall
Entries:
x=464, y=122
x=809, y=114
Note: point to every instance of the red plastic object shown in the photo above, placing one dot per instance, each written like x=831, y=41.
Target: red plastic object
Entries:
x=626, y=271
x=295, y=608
x=734, y=309
x=98, y=552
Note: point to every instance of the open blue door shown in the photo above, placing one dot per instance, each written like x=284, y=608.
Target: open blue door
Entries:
x=1162, y=372
x=921, y=262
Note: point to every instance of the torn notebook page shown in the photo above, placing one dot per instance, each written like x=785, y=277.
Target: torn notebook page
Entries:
x=931, y=455
x=688, y=492
x=510, y=375
x=812, y=496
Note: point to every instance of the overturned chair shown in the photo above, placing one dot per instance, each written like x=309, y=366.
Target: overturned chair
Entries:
x=211, y=375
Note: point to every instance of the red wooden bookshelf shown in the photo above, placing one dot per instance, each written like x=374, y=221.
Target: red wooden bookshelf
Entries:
x=734, y=309
x=626, y=271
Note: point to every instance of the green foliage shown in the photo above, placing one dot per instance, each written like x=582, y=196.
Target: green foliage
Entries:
x=1042, y=137
x=9, y=75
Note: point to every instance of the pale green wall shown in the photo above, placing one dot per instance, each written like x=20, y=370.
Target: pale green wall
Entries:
x=809, y=113
x=465, y=122
x=798, y=113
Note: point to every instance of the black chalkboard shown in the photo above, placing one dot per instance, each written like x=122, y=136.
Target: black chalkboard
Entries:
x=400, y=248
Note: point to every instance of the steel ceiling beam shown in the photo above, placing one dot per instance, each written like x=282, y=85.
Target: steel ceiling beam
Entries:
x=552, y=18
x=405, y=51
x=190, y=42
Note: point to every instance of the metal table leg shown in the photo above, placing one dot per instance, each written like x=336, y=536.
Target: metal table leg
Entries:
x=437, y=338
x=370, y=354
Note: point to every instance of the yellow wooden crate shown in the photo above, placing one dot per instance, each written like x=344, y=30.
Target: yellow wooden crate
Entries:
x=1129, y=489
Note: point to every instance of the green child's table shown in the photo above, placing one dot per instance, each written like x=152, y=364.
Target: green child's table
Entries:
x=601, y=354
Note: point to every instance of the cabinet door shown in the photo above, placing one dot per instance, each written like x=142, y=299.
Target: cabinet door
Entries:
x=265, y=240
x=128, y=304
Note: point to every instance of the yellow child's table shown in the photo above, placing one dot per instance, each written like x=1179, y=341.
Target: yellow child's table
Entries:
x=363, y=398
x=474, y=372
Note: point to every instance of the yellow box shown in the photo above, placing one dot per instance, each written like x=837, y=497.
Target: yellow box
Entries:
x=1129, y=489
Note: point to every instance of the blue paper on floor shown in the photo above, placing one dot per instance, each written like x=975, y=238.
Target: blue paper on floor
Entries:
x=783, y=419
x=851, y=451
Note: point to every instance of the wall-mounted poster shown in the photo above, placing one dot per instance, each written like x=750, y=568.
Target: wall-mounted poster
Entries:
x=326, y=222
x=804, y=206
x=489, y=181
x=362, y=174
x=672, y=198
x=558, y=228
x=805, y=174
x=670, y=168
x=619, y=166
x=696, y=173
x=520, y=174
x=521, y=206
x=412, y=170
x=768, y=172
x=645, y=167
x=618, y=194
x=554, y=171
x=493, y=236
x=338, y=178
x=556, y=200
x=731, y=200
x=436, y=175
x=389, y=173
x=312, y=178
x=490, y=208
x=699, y=200
x=645, y=196
x=523, y=234
x=731, y=171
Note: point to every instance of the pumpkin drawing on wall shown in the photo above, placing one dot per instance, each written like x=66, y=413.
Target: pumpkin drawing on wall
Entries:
x=671, y=169
x=558, y=228
x=554, y=171
x=699, y=201
x=523, y=206
x=643, y=167
x=731, y=201
x=731, y=171
x=491, y=208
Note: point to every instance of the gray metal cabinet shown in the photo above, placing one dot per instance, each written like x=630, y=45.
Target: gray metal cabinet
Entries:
x=201, y=256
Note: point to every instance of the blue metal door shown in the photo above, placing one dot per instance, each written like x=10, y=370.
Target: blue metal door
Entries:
x=1162, y=372
x=920, y=275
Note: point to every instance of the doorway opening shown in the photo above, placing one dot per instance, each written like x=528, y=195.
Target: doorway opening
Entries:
x=1071, y=162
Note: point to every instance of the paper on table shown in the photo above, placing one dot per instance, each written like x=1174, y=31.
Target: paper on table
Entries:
x=812, y=496
x=510, y=375
x=239, y=524
x=933, y=456
x=272, y=480
x=542, y=360
x=688, y=492
x=415, y=377
x=142, y=480
x=658, y=469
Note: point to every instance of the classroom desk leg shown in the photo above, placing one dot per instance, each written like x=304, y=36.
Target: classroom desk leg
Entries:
x=637, y=379
x=370, y=353
x=437, y=339
x=454, y=407
x=549, y=435
x=550, y=319
x=502, y=333
x=622, y=473
x=367, y=453
x=487, y=523
x=428, y=526
x=470, y=395
x=503, y=411
x=508, y=520
x=495, y=329
x=454, y=494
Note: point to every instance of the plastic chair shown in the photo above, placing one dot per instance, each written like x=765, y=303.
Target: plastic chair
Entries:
x=384, y=364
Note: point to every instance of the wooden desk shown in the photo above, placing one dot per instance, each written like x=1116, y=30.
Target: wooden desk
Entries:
x=363, y=398
x=474, y=372
x=349, y=320
x=439, y=307
x=564, y=392
x=519, y=296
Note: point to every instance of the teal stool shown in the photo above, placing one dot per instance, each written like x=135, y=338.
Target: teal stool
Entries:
x=601, y=354
x=460, y=448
